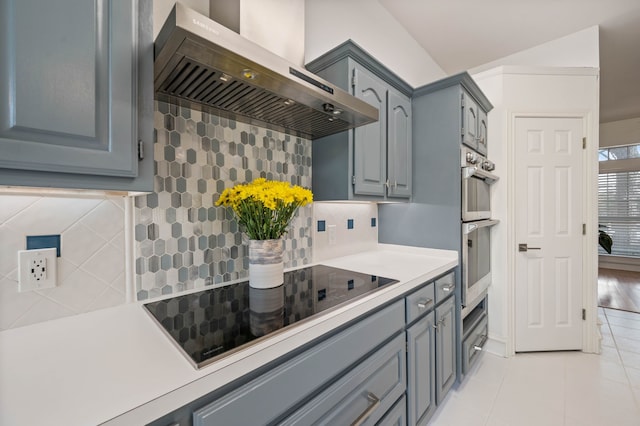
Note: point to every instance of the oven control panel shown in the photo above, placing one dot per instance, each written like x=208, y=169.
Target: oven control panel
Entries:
x=470, y=158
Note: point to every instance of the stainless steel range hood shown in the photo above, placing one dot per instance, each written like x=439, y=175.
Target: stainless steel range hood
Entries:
x=204, y=65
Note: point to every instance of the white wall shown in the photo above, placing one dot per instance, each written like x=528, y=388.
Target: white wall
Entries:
x=331, y=22
x=276, y=25
x=530, y=90
x=623, y=132
x=580, y=49
x=161, y=9
x=555, y=77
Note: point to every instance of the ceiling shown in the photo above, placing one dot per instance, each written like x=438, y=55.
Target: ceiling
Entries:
x=464, y=34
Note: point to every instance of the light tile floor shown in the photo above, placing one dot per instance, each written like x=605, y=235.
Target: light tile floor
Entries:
x=555, y=388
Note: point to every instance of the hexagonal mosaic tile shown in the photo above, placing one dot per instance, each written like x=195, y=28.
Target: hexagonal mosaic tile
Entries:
x=182, y=239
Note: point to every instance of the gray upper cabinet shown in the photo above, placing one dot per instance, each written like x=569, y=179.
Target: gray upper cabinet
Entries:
x=371, y=162
x=370, y=141
x=470, y=120
x=399, y=140
x=76, y=94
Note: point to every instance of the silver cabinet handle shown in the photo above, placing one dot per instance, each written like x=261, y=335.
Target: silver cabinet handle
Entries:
x=424, y=303
x=439, y=323
x=447, y=288
x=525, y=247
x=375, y=403
x=483, y=340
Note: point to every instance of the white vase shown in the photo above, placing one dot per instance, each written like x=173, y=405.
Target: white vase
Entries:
x=266, y=269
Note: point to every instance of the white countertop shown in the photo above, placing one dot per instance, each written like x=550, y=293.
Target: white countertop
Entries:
x=116, y=365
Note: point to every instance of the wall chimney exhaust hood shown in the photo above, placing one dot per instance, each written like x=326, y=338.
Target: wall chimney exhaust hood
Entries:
x=203, y=65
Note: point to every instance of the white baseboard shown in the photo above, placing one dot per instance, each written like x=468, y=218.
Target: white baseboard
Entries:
x=496, y=346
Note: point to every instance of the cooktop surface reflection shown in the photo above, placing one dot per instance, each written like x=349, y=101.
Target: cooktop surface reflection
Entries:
x=212, y=323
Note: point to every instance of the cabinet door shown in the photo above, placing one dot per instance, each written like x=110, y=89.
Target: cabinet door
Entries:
x=399, y=145
x=370, y=141
x=469, y=121
x=445, y=348
x=482, y=132
x=421, y=383
x=68, y=86
x=396, y=416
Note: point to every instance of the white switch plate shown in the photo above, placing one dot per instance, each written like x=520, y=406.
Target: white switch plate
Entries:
x=37, y=269
x=332, y=234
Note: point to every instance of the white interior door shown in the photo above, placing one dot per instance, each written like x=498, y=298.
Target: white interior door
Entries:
x=549, y=218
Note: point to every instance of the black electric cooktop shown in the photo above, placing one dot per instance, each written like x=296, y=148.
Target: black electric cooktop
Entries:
x=210, y=324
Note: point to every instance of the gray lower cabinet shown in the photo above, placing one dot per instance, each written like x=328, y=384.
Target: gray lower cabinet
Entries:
x=445, y=348
x=76, y=94
x=421, y=369
x=363, y=395
x=431, y=347
x=349, y=363
x=371, y=162
x=397, y=416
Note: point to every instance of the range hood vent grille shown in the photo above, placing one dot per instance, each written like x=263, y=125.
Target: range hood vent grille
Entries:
x=195, y=82
x=203, y=65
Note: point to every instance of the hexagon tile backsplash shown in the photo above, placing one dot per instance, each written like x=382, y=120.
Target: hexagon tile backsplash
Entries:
x=183, y=240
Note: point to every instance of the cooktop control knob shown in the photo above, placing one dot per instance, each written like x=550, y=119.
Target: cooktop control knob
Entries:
x=488, y=165
x=472, y=157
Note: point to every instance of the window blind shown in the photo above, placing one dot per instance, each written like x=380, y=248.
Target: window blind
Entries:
x=619, y=211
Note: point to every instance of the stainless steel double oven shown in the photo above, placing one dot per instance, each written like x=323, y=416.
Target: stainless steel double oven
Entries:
x=477, y=178
x=476, y=226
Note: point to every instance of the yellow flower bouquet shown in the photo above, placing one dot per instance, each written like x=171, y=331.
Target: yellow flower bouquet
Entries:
x=265, y=207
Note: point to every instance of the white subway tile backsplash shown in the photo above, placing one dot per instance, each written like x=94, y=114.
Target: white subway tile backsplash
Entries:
x=43, y=310
x=80, y=243
x=106, y=264
x=360, y=237
x=100, y=219
x=12, y=241
x=18, y=203
x=52, y=215
x=78, y=291
x=92, y=255
x=14, y=304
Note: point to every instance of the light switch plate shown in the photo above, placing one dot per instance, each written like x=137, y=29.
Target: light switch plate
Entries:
x=37, y=269
x=332, y=234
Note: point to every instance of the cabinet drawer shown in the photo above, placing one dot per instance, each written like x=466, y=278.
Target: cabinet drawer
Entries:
x=273, y=394
x=365, y=394
x=473, y=343
x=397, y=416
x=445, y=286
x=420, y=302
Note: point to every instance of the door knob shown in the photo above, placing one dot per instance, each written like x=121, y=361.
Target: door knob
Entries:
x=524, y=247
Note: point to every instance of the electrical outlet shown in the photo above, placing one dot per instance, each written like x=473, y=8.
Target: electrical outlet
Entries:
x=37, y=269
x=332, y=234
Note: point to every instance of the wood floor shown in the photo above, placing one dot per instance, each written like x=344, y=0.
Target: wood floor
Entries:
x=619, y=289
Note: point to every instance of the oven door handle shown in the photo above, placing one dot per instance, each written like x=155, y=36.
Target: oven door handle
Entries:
x=469, y=227
x=467, y=172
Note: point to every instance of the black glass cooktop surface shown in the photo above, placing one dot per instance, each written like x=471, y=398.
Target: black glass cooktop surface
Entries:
x=212, y=323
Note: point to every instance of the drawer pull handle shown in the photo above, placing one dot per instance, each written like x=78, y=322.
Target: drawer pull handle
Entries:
x=375, y=403
x=424, y=303
x=483, y=340
x=447, y=288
